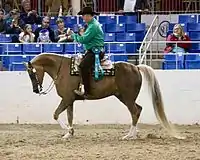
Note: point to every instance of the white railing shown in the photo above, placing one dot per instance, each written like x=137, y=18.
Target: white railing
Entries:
x=146, y=43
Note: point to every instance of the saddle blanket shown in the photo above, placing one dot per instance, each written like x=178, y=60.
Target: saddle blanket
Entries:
x=106, y=65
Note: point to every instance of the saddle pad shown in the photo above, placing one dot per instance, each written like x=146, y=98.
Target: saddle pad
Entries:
x=74, y=70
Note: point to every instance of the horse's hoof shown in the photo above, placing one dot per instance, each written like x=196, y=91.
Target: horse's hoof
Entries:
x=67, y=136
x=128, y=137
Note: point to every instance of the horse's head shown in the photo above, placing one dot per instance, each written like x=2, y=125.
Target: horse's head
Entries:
x=36, y=75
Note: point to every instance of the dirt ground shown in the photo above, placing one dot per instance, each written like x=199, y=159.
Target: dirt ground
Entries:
x=44, y=142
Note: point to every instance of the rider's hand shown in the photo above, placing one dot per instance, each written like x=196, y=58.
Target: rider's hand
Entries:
x=69, y=32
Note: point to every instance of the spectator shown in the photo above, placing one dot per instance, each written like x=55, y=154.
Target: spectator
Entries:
x=44, y=33
x=2, y=21
x=29, y=16
x=7, y=8
x=14, y=25
x=15, y=16
x=178, y=35
x=27, y=36
x=60, y=33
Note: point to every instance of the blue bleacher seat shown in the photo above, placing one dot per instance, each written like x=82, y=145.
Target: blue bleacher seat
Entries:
x=109, y=37
x=193, y=27
x=192, y=61
x=125, y=37
x=118, y=48
x=103, y=27
x=69, y=48
x=12, y=48
x=5, y=38
x=173, y=61
x=108, y=19
x=35, y=26
x=195, y=36
x=16, y=63
x=136, y=27
x=76, y=27
x=115, y=28
x=32, y=48
x=187, y=19
x=53, y=48
x=53, y=20
x=195, y=48
x=131, y=47
x=70, y=19
x=128, y=19
x=184, y=25
x=79, y=48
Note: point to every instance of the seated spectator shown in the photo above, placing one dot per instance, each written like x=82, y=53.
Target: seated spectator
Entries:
x=178, y=35
x=14, y=25
x=7, y=9
x=2, y=22
x=60, y=33
x=44, y=33
x=15, y=16
x=27, y=36
x=29, y=16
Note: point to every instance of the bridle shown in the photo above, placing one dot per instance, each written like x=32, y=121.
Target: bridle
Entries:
x=35, y=80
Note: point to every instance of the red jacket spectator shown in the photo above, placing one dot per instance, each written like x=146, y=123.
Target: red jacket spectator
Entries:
x=178, y=35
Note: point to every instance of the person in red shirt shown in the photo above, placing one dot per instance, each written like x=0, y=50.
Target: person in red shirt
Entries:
x=178, y=35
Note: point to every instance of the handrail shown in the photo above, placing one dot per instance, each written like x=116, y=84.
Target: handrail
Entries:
x=141, y=57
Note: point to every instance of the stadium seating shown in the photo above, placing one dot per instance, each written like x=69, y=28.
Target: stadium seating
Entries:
x=121, y=29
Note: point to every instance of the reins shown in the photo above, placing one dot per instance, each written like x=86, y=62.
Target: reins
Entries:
x=53, y=81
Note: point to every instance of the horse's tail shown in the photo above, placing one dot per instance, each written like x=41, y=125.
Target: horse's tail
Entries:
x=157, y=98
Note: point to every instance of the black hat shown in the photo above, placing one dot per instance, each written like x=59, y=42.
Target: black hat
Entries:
x=87, y=10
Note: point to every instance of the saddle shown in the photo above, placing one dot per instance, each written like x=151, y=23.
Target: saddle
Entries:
x=106, y=65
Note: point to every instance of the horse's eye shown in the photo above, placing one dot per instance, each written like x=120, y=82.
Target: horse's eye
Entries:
x=34, y=70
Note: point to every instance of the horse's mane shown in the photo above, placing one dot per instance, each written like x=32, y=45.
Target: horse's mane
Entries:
x=42, y=55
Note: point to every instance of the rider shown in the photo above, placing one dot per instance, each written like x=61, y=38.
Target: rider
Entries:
x=92, y=38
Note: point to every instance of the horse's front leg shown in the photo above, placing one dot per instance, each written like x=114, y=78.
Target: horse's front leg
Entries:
x=70, y=132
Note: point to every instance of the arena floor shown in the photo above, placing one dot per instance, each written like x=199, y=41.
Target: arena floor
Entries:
x=44, y=142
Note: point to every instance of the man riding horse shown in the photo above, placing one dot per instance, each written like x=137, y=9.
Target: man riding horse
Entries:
x=92, y=39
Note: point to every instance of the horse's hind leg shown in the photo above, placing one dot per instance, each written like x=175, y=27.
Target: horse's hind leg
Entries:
x=135, y=111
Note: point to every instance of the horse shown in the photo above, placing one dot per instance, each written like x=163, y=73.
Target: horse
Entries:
x=125, y=84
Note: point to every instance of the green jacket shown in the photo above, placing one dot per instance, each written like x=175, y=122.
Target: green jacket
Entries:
x=93, y=37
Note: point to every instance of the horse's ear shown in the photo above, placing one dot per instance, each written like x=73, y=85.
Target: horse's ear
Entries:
x=29, y=64
x=25, y=64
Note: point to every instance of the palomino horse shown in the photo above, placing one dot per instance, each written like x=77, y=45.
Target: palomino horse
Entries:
x=125, y=84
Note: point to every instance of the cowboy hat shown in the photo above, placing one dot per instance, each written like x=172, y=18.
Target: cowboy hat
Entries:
x=87, y=10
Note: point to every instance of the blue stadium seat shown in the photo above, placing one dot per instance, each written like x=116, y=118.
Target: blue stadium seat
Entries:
x=35, y=26
x=173, y=61
x=109, y=37
x=108, y=19
x=32, y=48
x=195, y=36
x=5, y=38
x=53, y=20
x=195, y=48
x=193, y=27
x=53, y=48
x=16, y=63
x=128, y=19
x=125, y=37
x=136, y=27
x=54, y=26
x=115, y=28
x=115, y=47
x=79, y=48
x=76, y=27
x=192, y=61
x=187, y=19
x=12, y=48
x=70, y=20
x=184, y=25
x=103, y=27
x=69, y=48
x=131, y=47
x=118, y=48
